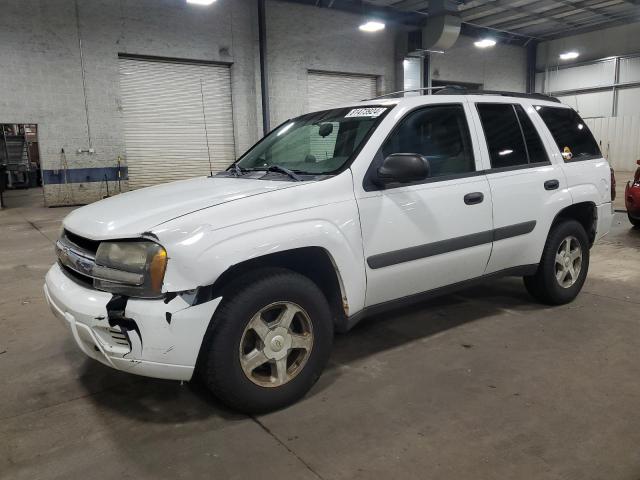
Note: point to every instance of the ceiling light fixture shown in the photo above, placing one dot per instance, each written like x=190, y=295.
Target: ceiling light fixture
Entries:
x=569, y=55
x=372, y=26
x=201, y=2
x=485, y=43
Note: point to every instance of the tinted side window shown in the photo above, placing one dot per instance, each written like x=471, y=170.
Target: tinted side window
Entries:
x=502, y=131
x=570, y=133
x=440, y=133
x=535, y=148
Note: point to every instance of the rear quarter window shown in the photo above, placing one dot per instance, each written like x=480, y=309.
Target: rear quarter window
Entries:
x=571, y=134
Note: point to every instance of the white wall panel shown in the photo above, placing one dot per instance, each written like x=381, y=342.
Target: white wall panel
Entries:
x=629, y=69
x=619, y=140
x=584, y=76
x=412, y=71
x=628, y=101
x=589, y=105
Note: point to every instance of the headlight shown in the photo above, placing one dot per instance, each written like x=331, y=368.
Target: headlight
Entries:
x=130, y=268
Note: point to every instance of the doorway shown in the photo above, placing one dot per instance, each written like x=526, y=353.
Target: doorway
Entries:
x=20, y=170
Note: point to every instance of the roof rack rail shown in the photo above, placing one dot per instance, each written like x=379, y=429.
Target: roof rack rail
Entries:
x=424, y=89
x=458, y=90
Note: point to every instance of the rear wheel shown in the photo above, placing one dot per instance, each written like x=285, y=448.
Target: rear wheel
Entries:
x=268, y=342
x=634, y=221
x=564, y=265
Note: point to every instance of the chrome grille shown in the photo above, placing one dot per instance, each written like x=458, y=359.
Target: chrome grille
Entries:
x=82, y=261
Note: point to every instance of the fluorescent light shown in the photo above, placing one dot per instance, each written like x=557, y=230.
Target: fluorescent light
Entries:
x=506, y=151
x=569, y=55
x=485, y=42
x=201, y=2
x=372, y=26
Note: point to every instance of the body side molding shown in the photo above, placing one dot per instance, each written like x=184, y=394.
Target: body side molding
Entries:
x=450, y=245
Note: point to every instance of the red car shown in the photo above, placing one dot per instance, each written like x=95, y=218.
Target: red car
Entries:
x=632, y=198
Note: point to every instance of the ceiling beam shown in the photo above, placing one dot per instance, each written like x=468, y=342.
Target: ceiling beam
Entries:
x=566, y=18
x=582, y=5
x=403, y=17
x=522, y=11
x=622, y=20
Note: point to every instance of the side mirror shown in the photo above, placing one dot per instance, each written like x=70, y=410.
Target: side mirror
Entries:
x=403, y=168
x=325, y=129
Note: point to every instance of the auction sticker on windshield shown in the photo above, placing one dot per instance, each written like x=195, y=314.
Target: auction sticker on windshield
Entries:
x=366, y=112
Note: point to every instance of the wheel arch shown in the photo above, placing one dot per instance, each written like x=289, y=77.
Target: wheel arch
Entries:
x=585, y=213
x=314, y=262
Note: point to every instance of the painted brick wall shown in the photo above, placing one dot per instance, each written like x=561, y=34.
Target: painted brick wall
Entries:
x=301, y=38
x=502, y=67
x=41, y=75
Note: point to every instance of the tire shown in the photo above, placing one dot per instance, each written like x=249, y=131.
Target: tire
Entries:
x=544, y=285
x=634, y=221
x=238, y=330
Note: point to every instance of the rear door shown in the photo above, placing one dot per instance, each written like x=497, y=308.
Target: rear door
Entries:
x=526, y=187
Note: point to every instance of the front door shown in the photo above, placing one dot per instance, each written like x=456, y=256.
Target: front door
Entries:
x=434, y=233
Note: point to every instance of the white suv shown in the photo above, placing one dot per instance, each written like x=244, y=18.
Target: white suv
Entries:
x=242, y=277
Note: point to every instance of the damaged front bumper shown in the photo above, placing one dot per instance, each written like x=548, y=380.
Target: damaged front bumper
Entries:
x=155, y=338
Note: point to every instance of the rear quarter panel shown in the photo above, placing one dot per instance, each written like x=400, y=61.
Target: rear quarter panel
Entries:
x=586, y=180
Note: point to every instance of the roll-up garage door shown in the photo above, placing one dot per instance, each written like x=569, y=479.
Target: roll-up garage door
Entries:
x=176, y=116
x=328, y=90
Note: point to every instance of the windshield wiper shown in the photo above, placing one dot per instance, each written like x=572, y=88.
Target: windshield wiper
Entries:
x=237, y=169
x=277, y=169
x=285, y=170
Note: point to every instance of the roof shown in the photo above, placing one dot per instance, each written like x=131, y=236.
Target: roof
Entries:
x=417, y=100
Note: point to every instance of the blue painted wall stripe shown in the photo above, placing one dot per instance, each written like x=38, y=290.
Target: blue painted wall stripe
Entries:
x=84, y=175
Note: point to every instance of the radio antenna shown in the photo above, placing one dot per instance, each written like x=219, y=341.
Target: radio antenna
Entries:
x=206, y=133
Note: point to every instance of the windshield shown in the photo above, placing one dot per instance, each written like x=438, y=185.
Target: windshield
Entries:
x=317, y=143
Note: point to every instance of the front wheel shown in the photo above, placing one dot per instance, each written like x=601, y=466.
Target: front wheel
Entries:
x=268, y=342
x=634, y=221
x=564, y=265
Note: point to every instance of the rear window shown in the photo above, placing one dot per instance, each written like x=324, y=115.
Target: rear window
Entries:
x=504, y=136
x=573, y=137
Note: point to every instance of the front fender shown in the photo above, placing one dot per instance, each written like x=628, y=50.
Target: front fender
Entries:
x=205, y=254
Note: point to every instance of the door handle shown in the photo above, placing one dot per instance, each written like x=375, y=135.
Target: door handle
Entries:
x=551, y=185
x=473, y=198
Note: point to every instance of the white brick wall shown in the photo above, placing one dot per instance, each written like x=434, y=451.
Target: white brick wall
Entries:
x=502, y=67
x=301, y=38
x=41, y=76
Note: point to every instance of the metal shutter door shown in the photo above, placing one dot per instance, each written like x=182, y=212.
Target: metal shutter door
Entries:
x=328, y=90
x=164, y=122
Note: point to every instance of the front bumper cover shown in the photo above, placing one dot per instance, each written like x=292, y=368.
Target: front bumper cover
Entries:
x=163, y=341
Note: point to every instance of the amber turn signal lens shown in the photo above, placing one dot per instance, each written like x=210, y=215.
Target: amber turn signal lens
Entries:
x=157, y=268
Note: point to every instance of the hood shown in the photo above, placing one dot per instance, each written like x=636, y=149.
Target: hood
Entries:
x=133, y=213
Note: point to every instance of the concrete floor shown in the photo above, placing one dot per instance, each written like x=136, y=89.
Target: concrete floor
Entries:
x=483, y=384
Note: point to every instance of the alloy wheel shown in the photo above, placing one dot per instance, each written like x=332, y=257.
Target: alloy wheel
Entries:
x=568, y=262
x=276, y=344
